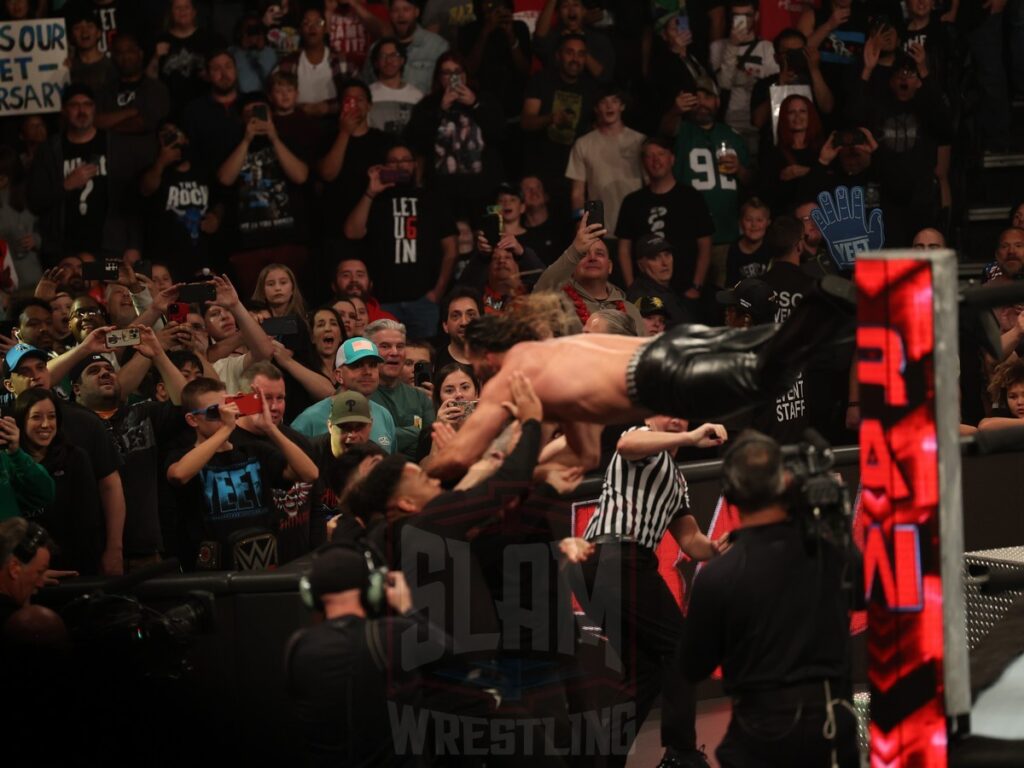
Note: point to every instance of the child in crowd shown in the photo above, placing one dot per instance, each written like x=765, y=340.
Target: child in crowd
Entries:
x=223, y=490
x=747, y=256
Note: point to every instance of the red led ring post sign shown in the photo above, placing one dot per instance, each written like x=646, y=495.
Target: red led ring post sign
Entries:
x=910, y=474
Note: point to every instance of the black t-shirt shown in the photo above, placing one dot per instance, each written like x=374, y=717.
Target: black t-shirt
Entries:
x=270, y=209
x=181, y=70
x=86, y=208
x=497, y=73
x=176, y=212
x=73, y=519
x=550, y=148
x=771, y=613
x=680, y=215
x=85, y=429
x=341, y=692
x=342, y=194
x=294, y=505
x=547, y=240
x=111, y=18
x=740, y=265
x=230, y=494
x=404, y=232
x=138, y=431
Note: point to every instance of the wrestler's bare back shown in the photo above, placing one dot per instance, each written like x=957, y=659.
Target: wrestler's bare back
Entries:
x=577, y=378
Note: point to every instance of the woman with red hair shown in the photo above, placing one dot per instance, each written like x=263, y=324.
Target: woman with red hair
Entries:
x=795, y=151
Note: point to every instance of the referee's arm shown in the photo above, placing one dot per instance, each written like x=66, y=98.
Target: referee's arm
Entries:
x=640, y=443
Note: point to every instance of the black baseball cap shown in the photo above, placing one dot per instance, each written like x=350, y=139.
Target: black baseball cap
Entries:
x=752, y=296
x=78, y=370
x=78, y=89
x=649, y=246
x=651, y=305
x=338, y=569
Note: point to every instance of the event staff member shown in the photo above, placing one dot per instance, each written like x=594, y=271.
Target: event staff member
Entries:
x=644, y=496
x=772, y=613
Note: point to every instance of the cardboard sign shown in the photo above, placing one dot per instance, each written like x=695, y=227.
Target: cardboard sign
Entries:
x=33, y=70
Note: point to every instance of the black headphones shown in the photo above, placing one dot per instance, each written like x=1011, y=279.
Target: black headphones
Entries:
x=372, y=594
x=34, y=539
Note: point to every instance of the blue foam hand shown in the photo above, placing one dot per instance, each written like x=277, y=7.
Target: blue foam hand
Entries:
x=842, y=224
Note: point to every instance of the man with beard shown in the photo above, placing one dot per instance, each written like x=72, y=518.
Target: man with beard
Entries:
x=461, y=307
x=35, y=324
x=572, y=20
x=352, y=279
x=1009, y=255
x=135, y=104
x=557, y=110
x=213, y=122
x=712, y=158
x=422, y=48
x=138, y=430
x=25, y=367
x=413, y=236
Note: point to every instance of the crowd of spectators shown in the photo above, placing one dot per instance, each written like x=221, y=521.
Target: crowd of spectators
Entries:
x=352, y=184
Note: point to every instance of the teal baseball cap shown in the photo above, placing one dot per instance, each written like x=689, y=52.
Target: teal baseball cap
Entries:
x=355, y=349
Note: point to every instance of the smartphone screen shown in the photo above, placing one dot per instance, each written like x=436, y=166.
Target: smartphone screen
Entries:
x=196, y=293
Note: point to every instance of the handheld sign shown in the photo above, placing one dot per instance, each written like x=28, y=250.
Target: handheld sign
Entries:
x=33, y=68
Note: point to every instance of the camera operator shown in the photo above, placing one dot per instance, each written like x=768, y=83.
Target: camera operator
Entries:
x=339, y=670
x=772, y=613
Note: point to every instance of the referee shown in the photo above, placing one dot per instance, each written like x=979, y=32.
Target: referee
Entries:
x=643, y=496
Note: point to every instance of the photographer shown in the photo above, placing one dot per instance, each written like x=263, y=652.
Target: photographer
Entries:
x=772, y=613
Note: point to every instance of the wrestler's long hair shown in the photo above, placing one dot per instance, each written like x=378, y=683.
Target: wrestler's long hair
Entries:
x=533, y=317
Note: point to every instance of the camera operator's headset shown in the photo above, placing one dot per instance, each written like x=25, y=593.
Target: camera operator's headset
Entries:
x=371, y=595
x=30, y=544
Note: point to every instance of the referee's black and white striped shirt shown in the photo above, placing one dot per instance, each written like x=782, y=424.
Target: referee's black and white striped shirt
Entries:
x=640, y=498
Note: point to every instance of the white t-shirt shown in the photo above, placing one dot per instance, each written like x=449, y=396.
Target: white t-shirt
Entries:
x=316, y=81
x=229, y=369
x=610, y=165
x=392, y=107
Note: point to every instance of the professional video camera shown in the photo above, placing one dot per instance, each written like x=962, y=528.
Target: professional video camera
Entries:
x=112, y=625
x=818, y=497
